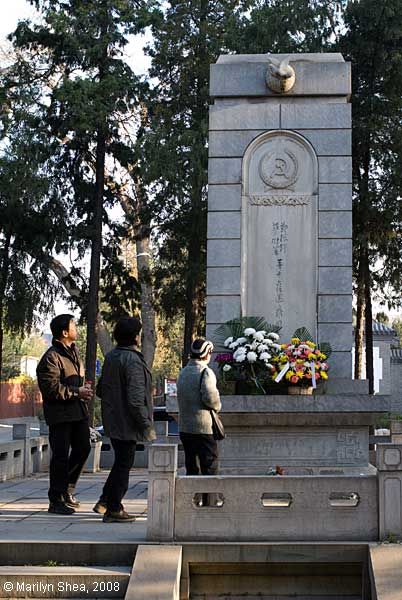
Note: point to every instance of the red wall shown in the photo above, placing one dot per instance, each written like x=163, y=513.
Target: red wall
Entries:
x=19, y=400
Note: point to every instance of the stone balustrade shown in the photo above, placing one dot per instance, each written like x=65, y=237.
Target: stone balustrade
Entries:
x=24, y=455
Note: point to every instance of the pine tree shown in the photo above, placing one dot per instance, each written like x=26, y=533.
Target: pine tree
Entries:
x=77, y=51
x=188, y=38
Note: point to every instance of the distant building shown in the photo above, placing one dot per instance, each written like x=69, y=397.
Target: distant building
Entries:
x=28, y=366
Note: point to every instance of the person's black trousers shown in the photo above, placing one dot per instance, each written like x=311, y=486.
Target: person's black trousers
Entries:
x=70, y=447
x=200, y=455
x=200, y=452
x=116, y=484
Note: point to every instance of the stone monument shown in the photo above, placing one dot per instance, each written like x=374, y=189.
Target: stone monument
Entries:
x=280, y=202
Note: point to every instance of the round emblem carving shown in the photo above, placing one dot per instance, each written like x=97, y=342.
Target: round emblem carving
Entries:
x=279, y=168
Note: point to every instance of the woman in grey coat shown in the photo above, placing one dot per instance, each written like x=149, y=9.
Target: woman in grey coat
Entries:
x=196, y=395
x=125, y=389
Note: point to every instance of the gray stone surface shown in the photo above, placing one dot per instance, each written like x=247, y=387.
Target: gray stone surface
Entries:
x=334, y=252
x=329, y=142
x=335, y=196
x=345, y=386
x=224, y=197
x=224, y=170
x=332, y=406
x=335, y=280
x=389, y=464
x=326, y=142
x=231, y=143
x=223, y=280
x=248, y=78
x=156, y=573
x=334, y=309
x=222, y=308
x=302, y=447
x=279, y=231
x=335, y=224
x=24, y=516
x=317, y=116
x=339, y=335
x=341, y=364
x=64, y=581
x=386, y=569
x=223, y=253
x=335, y=169
x=162, y=472
x=309, y=516
x=223, y=116
x=224, y=225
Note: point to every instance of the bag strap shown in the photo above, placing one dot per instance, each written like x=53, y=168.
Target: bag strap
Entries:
x=201, y=378
x=211, y=410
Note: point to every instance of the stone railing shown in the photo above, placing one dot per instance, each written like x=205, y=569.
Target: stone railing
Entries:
x=24, y=455
x=260, y=507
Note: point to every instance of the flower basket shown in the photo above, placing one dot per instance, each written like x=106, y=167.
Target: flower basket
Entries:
x=300, y=390
x=246, y=360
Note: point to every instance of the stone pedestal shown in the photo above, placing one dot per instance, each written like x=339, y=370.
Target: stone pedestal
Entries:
x=306, y=434
x=93, y=462
x=389, y=464
x=162, y=467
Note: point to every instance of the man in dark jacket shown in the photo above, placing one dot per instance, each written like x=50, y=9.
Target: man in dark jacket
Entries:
x=125, y=389
x=61, y=381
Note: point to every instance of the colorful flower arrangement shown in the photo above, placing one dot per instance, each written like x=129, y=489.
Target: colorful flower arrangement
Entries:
x=249, y=357
x=301, y=362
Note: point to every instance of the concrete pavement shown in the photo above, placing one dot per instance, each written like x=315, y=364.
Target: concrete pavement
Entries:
x=24, y=516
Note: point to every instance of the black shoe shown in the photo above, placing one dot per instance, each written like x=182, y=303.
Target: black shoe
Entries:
x=60, y=508
x=100, y=507
x=71, y=500
x=119, y=516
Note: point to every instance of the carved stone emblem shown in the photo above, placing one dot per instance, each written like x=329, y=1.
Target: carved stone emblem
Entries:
x=280, y=76
x=279, y=169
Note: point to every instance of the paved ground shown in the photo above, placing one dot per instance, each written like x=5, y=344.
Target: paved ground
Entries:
x=24, y=516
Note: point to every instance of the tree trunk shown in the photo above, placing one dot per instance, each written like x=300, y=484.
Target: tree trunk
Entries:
x=104, y=338
x=96, y=250
x=135, y=211
x=369, y=322
x=198, y=218
x=148, y=340
x=3, y=287
x=359, y=330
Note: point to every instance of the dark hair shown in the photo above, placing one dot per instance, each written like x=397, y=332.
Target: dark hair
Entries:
x=59, y=324
x=126, y=330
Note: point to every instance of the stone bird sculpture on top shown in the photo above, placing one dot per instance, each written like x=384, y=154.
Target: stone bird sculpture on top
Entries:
x=280, y=76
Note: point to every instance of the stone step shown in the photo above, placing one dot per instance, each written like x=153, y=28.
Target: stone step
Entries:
x=386, y=569
x=64, y=582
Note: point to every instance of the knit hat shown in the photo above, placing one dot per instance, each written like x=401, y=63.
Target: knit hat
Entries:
x=200, y=348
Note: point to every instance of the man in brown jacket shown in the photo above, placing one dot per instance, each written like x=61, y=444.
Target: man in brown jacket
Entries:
x=61, y=381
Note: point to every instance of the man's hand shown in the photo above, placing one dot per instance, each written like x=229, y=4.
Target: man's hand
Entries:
x=85, y=393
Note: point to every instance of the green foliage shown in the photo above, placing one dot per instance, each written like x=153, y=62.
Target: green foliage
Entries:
x=397, y=325
x=11, y=356
x=167, y=362
x=235, y=328
x=173, y=150
x=382, y=317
